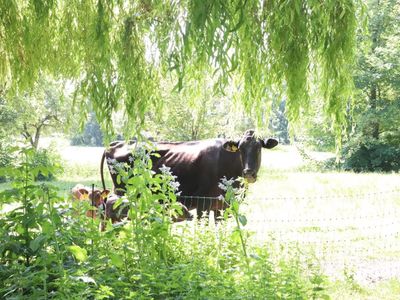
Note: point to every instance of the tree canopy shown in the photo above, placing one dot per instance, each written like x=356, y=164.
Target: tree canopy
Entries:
x=374, y=134
x=31, y=114
x=116, y=52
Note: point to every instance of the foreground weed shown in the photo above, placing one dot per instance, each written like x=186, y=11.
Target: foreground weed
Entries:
x=52, y=250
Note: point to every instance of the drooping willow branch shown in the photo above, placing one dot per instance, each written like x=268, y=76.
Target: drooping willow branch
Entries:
x=117, y=52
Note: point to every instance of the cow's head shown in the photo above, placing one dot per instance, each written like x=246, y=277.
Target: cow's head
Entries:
x=250, y=151
x=96, y=197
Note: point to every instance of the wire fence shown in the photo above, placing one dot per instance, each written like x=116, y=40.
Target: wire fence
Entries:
x=356, y=242
x=360, y=243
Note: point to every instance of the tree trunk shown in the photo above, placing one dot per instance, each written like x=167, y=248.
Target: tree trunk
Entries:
x=373, y=96
x=34, y=139
x=35, y=143
x=374, y=122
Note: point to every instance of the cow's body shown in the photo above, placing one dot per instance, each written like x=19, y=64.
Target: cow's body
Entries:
x=198, y=166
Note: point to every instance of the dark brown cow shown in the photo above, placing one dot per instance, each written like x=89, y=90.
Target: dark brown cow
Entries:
x=198, y=166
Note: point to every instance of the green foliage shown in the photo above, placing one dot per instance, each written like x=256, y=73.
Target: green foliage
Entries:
x=315, y=130
x=279, y=124
x=196, y=112
x=374, y=109
x=117, y=51
x=28, y=115
x=234, y=197
x=49, y=163
x=6, y=156
x=51, y=250
x=91, y=135
x=371, y=156
x=317, y=135
x=6, y=140
x=32, y=257
x=44, y=163
x=374, y=135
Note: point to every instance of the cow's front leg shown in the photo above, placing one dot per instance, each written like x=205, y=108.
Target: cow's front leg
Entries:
x=219, y=206
x=203, y=208
x=218, y=215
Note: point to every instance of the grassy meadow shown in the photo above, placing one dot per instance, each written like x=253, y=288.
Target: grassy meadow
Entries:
x=345, y=223
x=348, y=221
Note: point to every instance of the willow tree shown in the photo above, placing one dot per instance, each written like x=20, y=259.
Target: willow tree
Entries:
x=116, y=52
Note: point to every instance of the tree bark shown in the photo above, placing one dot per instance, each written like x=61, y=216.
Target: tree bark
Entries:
x=34, y=139
x=375, y=122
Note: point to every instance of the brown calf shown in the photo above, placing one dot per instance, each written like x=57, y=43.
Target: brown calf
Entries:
x=96, y=197
x=101, y=200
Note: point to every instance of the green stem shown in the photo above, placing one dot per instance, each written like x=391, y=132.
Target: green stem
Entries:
x=236, y=215
x=26, y=211
x=126, y=263
x=50, y=208
x=45, y=283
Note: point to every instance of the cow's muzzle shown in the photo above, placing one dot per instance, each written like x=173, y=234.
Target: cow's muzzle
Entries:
x=250, y=175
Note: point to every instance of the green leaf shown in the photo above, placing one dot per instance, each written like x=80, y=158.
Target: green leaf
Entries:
x=38, y=242
x=235, y=206
x=117, y=260
x=118, y=203
x=79, y=253
x=235, y=236
x=242, y=220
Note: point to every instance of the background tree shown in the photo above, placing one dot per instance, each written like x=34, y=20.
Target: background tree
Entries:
x=91, y=134
x=279, y=124
x=32, y=113
x=7, y=117
x=196, y=112
x=315, y=130
x=374, y=134
x=27, y=118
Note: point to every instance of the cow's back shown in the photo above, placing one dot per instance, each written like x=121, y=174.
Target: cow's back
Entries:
x=199, y=166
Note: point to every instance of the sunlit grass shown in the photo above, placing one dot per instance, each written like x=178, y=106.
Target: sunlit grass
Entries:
x=348, y=289
x=348, y=221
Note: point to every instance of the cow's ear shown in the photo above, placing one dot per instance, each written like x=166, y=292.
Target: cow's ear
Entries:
x=105, y=193
x=231, y=146
x=84, y=194
x=269, y=143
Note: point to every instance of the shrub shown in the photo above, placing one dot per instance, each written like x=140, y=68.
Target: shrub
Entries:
x=6, y=157
x=48, y=161
x=371, y=155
